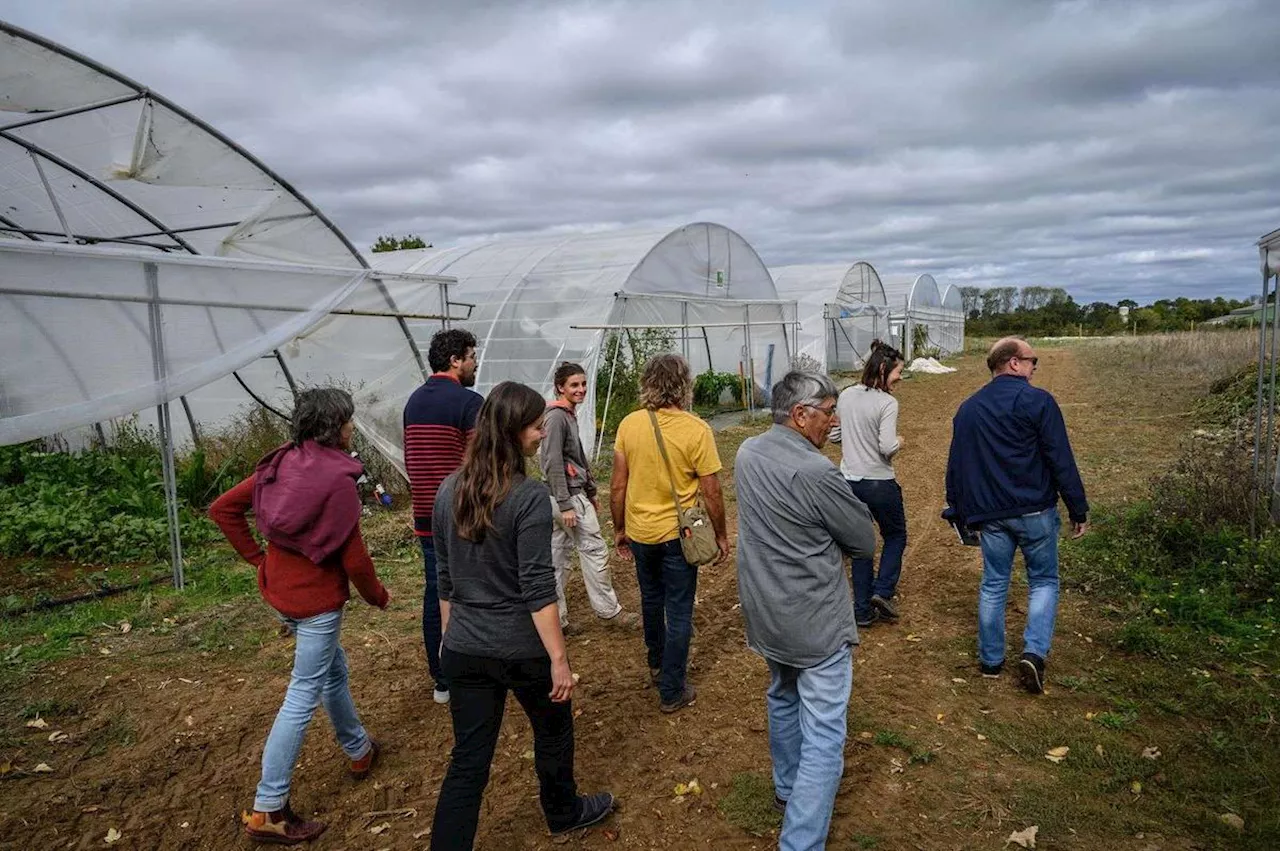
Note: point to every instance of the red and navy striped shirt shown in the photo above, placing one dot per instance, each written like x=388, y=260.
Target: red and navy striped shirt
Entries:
x=438, y=421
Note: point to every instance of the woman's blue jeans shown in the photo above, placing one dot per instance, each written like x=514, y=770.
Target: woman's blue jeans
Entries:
x=319, y=677
x=883, y=498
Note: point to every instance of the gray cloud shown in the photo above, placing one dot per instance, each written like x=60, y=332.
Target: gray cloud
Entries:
x=1116, y=149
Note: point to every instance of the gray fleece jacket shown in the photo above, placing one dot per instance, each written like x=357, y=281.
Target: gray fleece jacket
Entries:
x=562, y=458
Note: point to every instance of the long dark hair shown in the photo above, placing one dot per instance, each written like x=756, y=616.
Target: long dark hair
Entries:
x=880, y=362
x=495, y=458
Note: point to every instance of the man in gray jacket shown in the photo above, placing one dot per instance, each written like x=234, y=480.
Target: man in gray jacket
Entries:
x=797, y=519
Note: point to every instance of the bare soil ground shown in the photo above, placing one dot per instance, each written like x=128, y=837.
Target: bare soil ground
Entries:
x=164, y=741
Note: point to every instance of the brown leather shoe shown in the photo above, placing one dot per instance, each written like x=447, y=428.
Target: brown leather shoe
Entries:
x=282, y=827
x=361, y=767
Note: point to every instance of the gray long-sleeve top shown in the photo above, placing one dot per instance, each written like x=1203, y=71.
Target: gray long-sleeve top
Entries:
x=495, y=585
x=562, y=458
x=797, y=518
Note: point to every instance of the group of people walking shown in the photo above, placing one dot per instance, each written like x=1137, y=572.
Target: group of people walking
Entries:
x=497, y=543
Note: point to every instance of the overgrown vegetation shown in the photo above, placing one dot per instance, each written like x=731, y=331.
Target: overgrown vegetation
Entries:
x=709, y=387
x=1192, y=598
x=623, y=358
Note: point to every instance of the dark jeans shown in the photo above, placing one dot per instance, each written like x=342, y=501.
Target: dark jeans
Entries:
x=431, y=626
x=667, y=587
x=478, y=695
x=883, y=498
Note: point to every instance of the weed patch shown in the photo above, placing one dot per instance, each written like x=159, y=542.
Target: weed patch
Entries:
x=749, y=804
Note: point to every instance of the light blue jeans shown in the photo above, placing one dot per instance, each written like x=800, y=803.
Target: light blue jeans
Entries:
x=1037, y=536
x=319, y=676
x=808, y=714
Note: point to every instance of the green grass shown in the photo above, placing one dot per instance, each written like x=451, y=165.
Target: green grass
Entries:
x=749, y=804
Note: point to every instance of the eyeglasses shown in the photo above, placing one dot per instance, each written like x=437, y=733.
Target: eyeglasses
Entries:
x=828, y=411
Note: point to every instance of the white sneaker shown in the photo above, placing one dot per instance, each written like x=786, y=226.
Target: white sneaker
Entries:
x=440, y=695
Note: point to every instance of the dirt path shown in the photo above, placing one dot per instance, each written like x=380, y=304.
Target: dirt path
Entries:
x=164, y=742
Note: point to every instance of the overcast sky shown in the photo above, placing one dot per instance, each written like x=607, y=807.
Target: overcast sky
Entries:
x=1118, y=149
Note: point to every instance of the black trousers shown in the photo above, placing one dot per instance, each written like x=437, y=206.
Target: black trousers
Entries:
x=478, y=689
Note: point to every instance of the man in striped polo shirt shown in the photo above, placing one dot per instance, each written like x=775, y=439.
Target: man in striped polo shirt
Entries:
x=439, y=419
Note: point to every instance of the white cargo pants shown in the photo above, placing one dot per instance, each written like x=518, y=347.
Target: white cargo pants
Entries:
x=593, y=558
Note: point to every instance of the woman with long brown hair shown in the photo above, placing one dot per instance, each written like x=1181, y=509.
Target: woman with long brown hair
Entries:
x=492, y=529
x=869, y=441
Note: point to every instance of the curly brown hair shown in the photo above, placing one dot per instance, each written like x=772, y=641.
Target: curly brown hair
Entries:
x=667, y=382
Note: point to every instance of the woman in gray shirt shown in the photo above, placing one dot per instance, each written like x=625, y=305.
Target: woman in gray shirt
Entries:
x=492, y=530
x=868, y=442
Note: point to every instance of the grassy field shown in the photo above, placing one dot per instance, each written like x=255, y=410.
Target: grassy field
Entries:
x=1162, y=680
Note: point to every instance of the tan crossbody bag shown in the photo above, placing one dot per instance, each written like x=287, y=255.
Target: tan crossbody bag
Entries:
x=697, y=537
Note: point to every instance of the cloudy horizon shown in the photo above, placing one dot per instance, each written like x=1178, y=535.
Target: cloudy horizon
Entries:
x=1117, y=150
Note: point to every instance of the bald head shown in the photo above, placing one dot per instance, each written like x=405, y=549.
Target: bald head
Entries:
x=1012, y=356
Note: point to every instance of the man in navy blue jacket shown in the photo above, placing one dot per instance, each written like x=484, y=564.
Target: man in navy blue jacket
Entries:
x=1010, y=460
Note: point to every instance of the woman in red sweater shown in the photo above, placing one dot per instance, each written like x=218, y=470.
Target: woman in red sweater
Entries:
x=305, y=504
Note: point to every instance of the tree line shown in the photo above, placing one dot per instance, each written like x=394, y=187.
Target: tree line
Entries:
x=1051, y=311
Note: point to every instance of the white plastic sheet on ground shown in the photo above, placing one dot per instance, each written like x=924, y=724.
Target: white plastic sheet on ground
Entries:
x=541, y=300
x=842, y=309
x=930, y=366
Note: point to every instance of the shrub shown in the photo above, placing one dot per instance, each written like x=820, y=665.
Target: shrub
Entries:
x=710, y=386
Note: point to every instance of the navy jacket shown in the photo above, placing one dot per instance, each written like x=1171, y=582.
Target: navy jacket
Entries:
x=1010, y=455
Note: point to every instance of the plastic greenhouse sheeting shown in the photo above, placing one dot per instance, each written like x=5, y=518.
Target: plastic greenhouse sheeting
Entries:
x=914, y=300
x=842, y=309
x=537, y=301
x=91, y=158
x=951, y=333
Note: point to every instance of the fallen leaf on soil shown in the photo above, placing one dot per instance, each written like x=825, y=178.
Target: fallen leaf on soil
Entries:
x=1232, y=820
x=941, y=716
x=865, y=735
x=577, y=677
x=58, y=736
x=1058, y=754
x=1089, y=716
x=42, y=768
x=1025, y=838
x=382, y=828
x=92, y=808
x=611, y=835
x=125, y=626
x=113, y=836
x=895, y=766
x=1136, y=787
x=105, y=652
x=5, y=767
x=38, y=723
x=914, y=638
x=190, y=720
x=690, y=788
x=959, y=680
x=981, y=738
x=527, y=755
x=1151, y=753
x=1099, y=751
x=185, y=824
x=422, y=833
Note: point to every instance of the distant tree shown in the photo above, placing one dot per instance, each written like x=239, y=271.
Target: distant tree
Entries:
x=991, y=302
x=972, y=298
x=1127, y=302
x=394, y=243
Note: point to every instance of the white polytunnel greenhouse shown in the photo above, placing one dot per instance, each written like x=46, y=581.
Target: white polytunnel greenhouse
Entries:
x=916, y=313
x=842, y=309
x=951, y=334
x=146, y=259
x=540, y=300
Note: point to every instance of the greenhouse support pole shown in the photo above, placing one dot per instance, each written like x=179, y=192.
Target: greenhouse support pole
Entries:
x=1257, y=419
x=684, y=329
x=751, y=368
x=1271, y=397
x=608, y=397
x=160, y=368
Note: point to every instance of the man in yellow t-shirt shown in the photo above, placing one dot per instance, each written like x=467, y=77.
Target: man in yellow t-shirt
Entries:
x=645, y=523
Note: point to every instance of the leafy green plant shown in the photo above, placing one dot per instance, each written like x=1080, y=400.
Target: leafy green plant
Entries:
x=710, y=386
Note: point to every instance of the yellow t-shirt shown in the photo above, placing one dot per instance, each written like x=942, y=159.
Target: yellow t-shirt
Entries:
x=650, y=513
